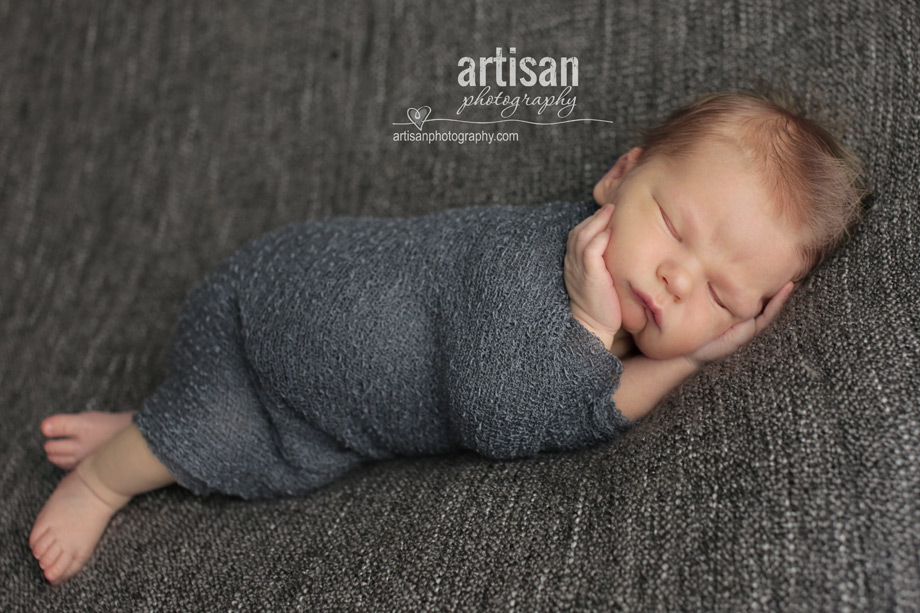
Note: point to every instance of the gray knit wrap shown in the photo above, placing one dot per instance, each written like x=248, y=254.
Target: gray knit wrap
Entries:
x=332, y=342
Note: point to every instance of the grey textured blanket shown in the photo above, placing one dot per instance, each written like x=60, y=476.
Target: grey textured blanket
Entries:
x=329, y=343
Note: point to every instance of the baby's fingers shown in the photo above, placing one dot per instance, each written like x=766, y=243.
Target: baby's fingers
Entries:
x=594, y=253
x=582, y=234
x=774, y=306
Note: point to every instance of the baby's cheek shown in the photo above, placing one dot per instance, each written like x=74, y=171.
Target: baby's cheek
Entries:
x=702, y=340
x=683, y=342
x=720, y=328
x=682, y=338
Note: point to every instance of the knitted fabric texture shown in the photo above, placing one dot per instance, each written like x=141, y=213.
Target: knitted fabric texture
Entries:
x=329, y=343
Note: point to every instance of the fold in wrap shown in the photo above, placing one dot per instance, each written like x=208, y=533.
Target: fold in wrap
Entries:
x=333, y=342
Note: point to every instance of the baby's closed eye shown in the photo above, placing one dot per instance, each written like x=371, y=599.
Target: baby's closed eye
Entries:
x=715, y=297
x=669, y=224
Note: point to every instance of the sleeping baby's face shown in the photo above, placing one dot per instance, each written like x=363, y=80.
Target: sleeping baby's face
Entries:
x=695, y=246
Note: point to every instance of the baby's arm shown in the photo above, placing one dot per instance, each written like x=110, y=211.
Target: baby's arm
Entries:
x=645, y=381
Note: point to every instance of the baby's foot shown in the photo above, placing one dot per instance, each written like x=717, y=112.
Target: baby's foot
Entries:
x=74, y=437
x=69, y=526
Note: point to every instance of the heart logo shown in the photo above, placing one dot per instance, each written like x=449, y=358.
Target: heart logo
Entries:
x=419, y=116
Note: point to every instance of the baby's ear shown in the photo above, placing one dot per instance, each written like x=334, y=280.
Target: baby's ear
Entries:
x=605, y=190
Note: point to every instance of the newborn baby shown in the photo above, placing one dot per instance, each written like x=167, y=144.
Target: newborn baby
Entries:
x=504, y=330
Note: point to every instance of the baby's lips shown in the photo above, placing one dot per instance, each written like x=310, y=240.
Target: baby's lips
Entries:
x=651, y=312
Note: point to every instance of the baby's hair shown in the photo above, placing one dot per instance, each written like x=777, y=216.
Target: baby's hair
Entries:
x=817, y=180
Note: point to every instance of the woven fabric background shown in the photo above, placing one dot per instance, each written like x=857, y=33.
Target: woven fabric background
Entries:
x=140, y=143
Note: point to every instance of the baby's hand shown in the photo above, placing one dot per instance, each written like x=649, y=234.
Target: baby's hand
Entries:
x=592, y=297
x=741, y=332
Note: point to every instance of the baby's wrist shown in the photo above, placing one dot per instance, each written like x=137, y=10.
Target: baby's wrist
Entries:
x=605, y=336
x=606, y=339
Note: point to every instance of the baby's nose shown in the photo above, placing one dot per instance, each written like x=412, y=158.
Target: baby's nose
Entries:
x=677, y=280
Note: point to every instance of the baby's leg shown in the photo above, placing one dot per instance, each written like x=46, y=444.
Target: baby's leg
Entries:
x=73, y=437
x=74, y=517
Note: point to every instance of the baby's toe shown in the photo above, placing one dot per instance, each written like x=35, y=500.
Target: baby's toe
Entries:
x=65, y=425
x=38, y=531
x=54, y=426
x=68, y=462
x=51, y=556
x=62, y=452
x=59, y=571
x=42, y=544
x=60, y=446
